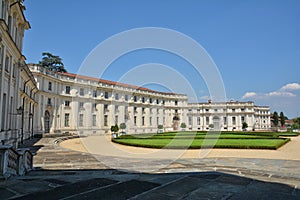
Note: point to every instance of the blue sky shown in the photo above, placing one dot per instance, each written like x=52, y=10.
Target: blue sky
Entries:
x=255, y=44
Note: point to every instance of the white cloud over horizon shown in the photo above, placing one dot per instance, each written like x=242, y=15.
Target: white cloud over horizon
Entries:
x=291, y=87
x=285, y=99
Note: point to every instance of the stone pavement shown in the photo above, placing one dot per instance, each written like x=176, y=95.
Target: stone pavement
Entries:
x=64, y=174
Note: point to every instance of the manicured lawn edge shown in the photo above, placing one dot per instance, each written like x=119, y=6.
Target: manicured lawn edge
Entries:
x=222, y=146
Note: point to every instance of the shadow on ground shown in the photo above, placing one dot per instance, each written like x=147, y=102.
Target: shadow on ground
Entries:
x=114, y=184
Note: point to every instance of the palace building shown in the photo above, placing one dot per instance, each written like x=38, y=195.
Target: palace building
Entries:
x=17, y=85
x=34, y=100
x=85, y=105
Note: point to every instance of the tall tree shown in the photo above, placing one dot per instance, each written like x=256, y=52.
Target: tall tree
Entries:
x=275, y=118
x=52, y=62
x=282, y=119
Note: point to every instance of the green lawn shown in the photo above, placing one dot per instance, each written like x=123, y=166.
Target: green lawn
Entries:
x=193, y=140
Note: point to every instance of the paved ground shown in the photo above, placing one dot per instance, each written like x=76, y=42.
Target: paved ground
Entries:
x=65, y=174
x=101, y=145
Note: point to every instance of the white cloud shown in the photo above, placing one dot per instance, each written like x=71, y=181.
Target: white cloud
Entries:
x=291, y=86
x=285, y=99
x=249, y=95
x=204, y=98
x=280, y=94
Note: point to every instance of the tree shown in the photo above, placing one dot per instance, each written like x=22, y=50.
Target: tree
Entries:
x=160, y=126
x=282, y=119
x=183, y=125
x=275, y=119
x=244, y=125
x=123, y=126
x=52, y=62
x=296, y=124
x=114, y=128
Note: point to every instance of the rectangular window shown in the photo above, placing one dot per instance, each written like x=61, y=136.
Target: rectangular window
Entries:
x=135, y=110
x=157, y=101
x=233, y=120
x=80, y=119
x=190, y=121
x=81, y=104
x=198, y=121
x=116, y=96
x=50, y=86
x=116, y=119
x=67, y=103
x=233, y=110
x=225, y=120
x=150, y=100
x=143, y=110
x=206, y=110
x=68, y=89
x=94, y=106
x=116, y=109
x=95, y=93
x=143, y=121
x=176, y=103
x=106, y=95
x=143, y=99
x=150, y=120
x=135, y=99
x=134, y=120
x=105, y=120
x=126, y=97
x=94, y=120
x=14, y=70
x=49, y=102
x=105, y=108
x=81, y=91
x=6, y=63
x=3, y=112
x=243, y=119
x=67, y=119
x=207, y=120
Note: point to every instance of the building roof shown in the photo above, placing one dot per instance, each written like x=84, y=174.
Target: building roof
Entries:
x=71, y=75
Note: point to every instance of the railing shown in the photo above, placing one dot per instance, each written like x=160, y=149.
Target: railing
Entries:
x=14, y=162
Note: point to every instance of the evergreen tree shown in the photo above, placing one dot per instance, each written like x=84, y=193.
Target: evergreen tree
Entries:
x=282, y=119
x=52, y=62
x=275, y=118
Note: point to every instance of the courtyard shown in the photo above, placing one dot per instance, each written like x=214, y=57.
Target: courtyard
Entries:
x=66, y=168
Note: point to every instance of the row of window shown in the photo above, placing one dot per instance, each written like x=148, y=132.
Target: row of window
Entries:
x=81, y=106
x=207, y=121
x=106, y=95
x=217, y=110
x=94, y=120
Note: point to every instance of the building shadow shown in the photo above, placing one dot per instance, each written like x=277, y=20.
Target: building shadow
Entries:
x=116, y=184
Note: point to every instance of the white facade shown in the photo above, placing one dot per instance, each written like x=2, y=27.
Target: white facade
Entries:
x=70, y=103
x=17, y=85
x=85, y=105
x=228, y=116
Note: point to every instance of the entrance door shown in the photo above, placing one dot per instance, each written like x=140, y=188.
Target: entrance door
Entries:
x=47, y=122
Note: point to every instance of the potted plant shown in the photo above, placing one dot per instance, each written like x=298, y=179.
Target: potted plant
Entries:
x=123, y=127
x=183, y=126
